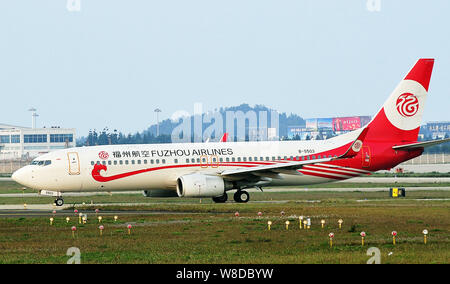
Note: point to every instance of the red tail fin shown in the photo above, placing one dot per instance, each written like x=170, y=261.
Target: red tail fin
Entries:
x=401, y=115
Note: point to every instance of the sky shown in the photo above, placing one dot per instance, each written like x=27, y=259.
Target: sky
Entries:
x=111, y=63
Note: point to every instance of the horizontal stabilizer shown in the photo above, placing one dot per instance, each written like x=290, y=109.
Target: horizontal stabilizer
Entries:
x=417, y=145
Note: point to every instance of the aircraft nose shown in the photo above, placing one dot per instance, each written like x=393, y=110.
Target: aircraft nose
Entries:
x=21, y=176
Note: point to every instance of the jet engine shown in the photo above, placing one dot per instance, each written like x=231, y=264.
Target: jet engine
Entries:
x=200, y=185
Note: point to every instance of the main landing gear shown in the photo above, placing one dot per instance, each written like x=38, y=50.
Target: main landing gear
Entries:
x=221, y=199
x=241, y=196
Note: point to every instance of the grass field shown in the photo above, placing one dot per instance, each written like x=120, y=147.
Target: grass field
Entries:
x=210, y=233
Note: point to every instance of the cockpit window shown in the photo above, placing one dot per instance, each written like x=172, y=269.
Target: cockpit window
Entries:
x=41, y=162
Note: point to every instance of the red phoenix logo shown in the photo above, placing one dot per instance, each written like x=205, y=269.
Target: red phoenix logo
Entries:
x=407, y=104
x=103, y=155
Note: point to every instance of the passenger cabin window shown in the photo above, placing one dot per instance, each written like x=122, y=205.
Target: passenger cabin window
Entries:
x=41, y=163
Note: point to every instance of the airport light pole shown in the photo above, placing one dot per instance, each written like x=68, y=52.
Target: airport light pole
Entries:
x=33, y=117
x=157, y=111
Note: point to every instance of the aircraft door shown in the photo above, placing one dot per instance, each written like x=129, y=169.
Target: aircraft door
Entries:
x=74, y=163
x=366, y=156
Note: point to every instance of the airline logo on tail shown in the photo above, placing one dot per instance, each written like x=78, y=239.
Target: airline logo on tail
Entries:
x=407, y=104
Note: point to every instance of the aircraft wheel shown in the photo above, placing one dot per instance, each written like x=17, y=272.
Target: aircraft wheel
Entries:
x=221, y=199
x=59, y=202
x=241, y=196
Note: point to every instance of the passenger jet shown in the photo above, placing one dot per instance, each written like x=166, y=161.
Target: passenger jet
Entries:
x=211, y=169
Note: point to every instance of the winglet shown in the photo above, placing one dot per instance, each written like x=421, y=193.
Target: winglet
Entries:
x=224, y=137
x=356, y=146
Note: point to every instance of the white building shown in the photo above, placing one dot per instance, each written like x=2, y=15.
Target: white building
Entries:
x=23, y=142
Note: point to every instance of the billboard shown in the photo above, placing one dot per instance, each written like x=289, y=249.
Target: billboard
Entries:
x=325, y=123
x=346, y=123
x=311, y=124
x=295, y=130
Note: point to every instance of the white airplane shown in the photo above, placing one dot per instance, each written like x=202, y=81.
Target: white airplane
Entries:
x=211, y=169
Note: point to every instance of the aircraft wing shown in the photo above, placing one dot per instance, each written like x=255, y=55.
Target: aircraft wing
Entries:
x=418, y=145
x=291, y=167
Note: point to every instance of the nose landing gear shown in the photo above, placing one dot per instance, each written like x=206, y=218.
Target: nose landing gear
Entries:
x=59, y=201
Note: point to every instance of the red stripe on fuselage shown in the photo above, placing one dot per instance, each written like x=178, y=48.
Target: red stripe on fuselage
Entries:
x=97, y=168
x=323, y=175
x=333, y=171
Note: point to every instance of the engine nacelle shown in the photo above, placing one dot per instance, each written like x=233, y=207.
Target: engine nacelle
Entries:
x=159, y=193
x=199, y=185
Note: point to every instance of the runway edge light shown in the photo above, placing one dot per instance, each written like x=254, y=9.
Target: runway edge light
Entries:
x=331, y=236
x=73, y=231
x=425, y=233
x=363, y=234
x=394, y=234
